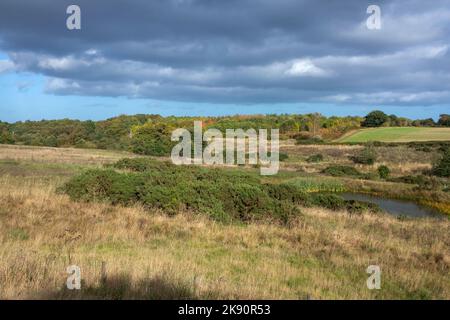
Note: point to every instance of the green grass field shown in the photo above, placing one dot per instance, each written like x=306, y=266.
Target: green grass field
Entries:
x=397, y=134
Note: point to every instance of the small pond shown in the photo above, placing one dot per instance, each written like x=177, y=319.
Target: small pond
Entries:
x=395, y=207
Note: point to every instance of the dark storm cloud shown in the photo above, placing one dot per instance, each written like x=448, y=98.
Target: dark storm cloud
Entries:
x=235, y=50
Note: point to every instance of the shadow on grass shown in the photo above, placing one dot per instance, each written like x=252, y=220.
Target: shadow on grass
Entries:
x=123, y=287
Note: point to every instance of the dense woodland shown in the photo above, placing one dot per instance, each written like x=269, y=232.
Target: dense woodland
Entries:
x=150, y=134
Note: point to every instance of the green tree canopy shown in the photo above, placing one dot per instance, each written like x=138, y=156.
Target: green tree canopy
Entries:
x=444, y=120
x=375, y=119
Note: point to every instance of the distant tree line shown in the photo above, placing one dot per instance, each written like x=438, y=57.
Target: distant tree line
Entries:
x=150, y=134
x=378, y=118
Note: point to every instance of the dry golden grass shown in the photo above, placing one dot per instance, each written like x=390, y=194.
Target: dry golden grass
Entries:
x=402, y=160
x=322, y=255
x=61, y=155
x=149, y=255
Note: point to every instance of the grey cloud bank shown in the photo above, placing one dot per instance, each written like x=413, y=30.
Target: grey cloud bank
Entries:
x=235, y=51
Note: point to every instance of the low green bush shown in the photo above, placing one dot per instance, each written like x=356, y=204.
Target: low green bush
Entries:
x=423, y=182
x=354, y=206
x=340, y=171
x=223, y=195
x=104, y=185
x=383, y=172
x=329, y=201
x=283, y=156
x=442, y=167
x=288, y=192
x=366, y=156
x=419, y=179
x=307, y=139
x=315, y=158
x=292, y=193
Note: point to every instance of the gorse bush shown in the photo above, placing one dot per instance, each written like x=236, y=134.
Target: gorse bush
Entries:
x=315, y=158
x=329, y=201
x=104, y=185
x=354, y=206
x=340, y=171
x=305, y=139
x=383, y=172
x=367, y=156
x=223, y=195
x=442, y=167
x=283, y=156
x=423, y=182
x=288, y=192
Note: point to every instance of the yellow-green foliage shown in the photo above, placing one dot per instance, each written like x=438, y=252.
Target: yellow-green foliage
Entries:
x=317, y=185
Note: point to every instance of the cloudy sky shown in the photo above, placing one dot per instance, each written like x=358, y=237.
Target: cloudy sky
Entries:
x=213, y=57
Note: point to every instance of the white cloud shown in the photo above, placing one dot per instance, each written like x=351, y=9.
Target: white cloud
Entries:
x=6, y=66
x=66, y=63
x=56, y=84
x=304, y=67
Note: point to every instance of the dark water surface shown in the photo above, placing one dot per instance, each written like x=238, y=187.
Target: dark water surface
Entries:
x=395, y=207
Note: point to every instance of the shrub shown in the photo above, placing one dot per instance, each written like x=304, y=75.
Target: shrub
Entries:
x=366, y=156
x=423, y=182
x=315, y=158
x=245, y=201
x=308, y=139
x=420, y=179
x=288, y=192
x=442, y=167
x=224, y=195
x=383, y=172
x=104, y=185
x=329, y=201
x=369, y=176
x=354, y=206
x=140, y=164
x=283, y=156
x=339, y=171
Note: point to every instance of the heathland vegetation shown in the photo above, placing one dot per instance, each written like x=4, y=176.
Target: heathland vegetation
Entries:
x=167, y=231
x=56, y=212
x=150, y=134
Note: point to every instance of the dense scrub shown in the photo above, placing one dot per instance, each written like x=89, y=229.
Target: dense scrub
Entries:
x=383, y=171
x=315, y=158
x=367, y=156
x=224, y=195
x=442, y=168
x=340, y=171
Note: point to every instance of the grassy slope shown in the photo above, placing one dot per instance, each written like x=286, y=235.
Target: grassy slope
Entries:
x=400, y=134
x=149, y=255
